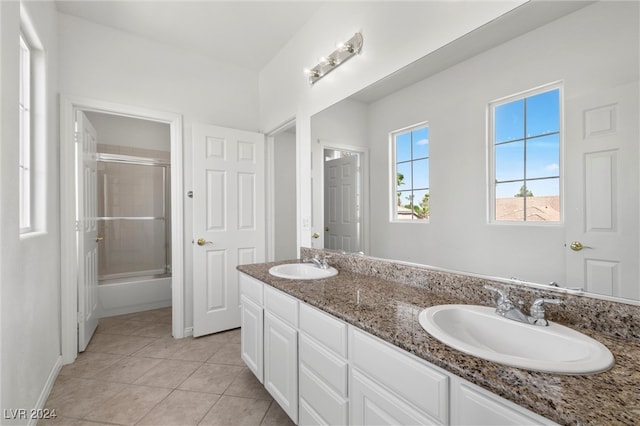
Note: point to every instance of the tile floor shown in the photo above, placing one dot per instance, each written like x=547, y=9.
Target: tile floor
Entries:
x=134, y=373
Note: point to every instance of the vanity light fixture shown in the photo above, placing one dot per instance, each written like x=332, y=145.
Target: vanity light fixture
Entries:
x=327, y=64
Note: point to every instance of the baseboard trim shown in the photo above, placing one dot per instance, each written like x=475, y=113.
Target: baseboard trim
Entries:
x=188, y=332
x=46, y=390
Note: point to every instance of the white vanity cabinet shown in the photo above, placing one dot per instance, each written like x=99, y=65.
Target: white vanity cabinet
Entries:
x=324, y=372
x=323, y=368
x=281, y=349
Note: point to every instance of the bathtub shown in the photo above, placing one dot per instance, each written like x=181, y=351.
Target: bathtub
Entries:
x=120, y=296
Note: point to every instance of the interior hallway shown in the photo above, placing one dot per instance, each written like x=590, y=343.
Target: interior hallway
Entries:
x=134, y=373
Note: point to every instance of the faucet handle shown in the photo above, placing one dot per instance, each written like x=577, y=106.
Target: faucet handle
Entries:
x=500, y=297
x=541, y=301
x=537, y=310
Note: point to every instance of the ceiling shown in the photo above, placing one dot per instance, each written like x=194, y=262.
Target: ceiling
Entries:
x=247, y=34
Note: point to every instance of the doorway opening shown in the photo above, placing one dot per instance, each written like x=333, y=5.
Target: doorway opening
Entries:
x=147, y=230
x=282, y=200
x=133, y=214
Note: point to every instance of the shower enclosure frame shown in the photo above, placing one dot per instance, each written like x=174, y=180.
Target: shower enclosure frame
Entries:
x=143, y=161
x=69, y=105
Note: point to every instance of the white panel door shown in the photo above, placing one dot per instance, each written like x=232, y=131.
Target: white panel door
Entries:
x=228, y=221
x=602, y=212
x=341, y=204
x=87, y=235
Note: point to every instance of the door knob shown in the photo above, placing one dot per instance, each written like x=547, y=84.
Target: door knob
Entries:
x=98, y=239
x=202, y=242
x=315, y=235
x=577, y=246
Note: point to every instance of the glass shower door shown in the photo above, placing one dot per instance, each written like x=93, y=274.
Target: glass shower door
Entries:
x=133, y=210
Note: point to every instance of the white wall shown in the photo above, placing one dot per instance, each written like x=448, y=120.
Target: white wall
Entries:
x=395, y=34
x=29, y=266
x=104, y=64
x=454, y=102
x=111, y=65
x=130, y=132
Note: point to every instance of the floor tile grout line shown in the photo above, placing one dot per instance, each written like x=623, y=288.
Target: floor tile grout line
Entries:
x=192, y=373
x=273, y=401
x=159, y=402
x=226, y=338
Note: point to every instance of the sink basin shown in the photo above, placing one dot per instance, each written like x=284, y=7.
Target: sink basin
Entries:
x=302, y=271
x=479, y=331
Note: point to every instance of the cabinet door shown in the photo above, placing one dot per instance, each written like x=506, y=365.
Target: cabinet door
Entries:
x=251, y=333
x=281, y=363
x=371, y=404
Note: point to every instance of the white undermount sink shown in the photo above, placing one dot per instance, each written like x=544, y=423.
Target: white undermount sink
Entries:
x=479, y=331
x=302, y=271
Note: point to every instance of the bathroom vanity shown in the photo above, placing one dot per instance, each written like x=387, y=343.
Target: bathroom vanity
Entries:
x=349, y=349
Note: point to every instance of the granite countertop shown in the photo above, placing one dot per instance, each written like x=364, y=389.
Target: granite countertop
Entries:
x=389, y=310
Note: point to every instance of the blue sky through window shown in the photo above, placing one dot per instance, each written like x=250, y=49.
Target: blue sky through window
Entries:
x=527, y=145
x=412, y=158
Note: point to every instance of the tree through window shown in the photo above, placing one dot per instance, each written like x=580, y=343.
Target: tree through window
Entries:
x=411, y=176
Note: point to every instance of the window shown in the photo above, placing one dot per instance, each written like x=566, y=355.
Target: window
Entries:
x=25, y=137
x=525, y=147
x=411, y=174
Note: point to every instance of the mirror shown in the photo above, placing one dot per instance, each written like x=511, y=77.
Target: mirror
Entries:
x=591, y=50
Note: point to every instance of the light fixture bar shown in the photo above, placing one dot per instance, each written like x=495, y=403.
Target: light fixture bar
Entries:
x=344, y=52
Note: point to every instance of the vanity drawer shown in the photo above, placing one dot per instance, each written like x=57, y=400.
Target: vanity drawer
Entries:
x=323, y=364
x=251, y=288
x=281, y=304
x=329, y=331
x=404, y=374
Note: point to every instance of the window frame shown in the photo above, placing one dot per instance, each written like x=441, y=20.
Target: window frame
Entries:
x=25, y=160
x=393, y=205
x=491, y=152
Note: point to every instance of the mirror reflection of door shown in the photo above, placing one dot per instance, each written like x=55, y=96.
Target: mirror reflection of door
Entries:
x=602, y=192
x=342, y=200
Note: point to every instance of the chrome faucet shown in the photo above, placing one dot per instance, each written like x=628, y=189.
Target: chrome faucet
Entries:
x=506, y=308
x=322, y=263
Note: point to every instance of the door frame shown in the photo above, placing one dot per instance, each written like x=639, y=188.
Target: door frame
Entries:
x=68, y=267
x=364, y=188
